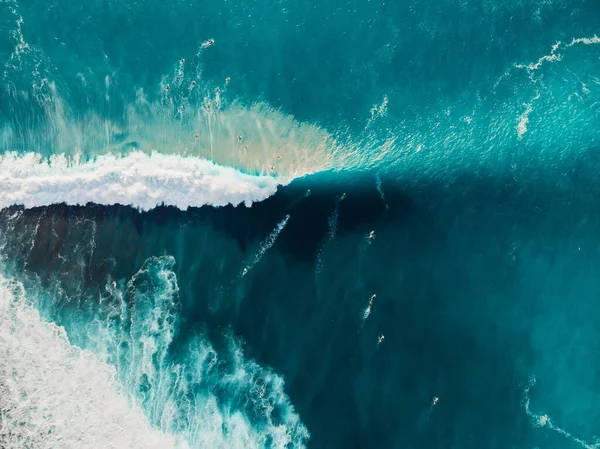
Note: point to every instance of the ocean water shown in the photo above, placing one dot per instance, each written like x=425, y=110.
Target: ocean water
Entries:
x=358, y=224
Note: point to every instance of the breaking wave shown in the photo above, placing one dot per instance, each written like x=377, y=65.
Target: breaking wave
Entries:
x=137, y=179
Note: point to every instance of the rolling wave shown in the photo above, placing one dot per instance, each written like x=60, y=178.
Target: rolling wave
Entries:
x=137, y=179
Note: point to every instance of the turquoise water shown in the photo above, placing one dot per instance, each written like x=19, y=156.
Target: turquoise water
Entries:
x=299, y=224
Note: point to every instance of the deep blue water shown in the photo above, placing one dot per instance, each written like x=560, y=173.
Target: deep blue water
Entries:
x=439, y=155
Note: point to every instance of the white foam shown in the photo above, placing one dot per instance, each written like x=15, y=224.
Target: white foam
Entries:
x=211, y=399
x=555, y=56
x=552, y=57
x=544, y=420
x=524, y=118
x=122, y=390
x=53, y=394
x=585, y=40
x=137, y=179
x=378, y=111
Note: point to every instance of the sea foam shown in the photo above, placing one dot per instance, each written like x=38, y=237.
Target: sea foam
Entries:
x=54, y=394
x=138, y=179
x=109, y=379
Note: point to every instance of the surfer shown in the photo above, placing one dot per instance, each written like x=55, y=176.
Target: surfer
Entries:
x=244, y=271
x=368, y=309
x=192, y=84
x=204, y=45
x=278, y=157
x=196, y=136
x=167, y=88
x=217, y=90
x=380, y=340
x=181, y=61
x=227, y=80
x=239, y=138
x=435, y=400
x=371, y=235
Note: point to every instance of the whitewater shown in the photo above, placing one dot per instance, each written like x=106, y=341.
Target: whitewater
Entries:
x=119, y=387
x=141, y=180
x=54, y=394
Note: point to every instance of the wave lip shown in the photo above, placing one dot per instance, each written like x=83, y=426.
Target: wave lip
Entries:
x=137, y=179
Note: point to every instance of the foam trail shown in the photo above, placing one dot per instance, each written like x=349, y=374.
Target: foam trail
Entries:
x=53, y=394
x=137, y=179
x=585, y=40
x=266, y=245
x=367, y=311
x=524, y=118
x=332, y=223
x=426, y=415
x=555, y=55
x=545, y=421
x=207, y=43
x=380, y=190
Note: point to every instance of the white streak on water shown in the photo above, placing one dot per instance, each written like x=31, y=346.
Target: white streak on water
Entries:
x=266, y=245
x=380, y=190
x=332, y=224
x=524, y=118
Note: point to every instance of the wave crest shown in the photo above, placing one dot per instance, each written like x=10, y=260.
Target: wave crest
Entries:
x=138, y=179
